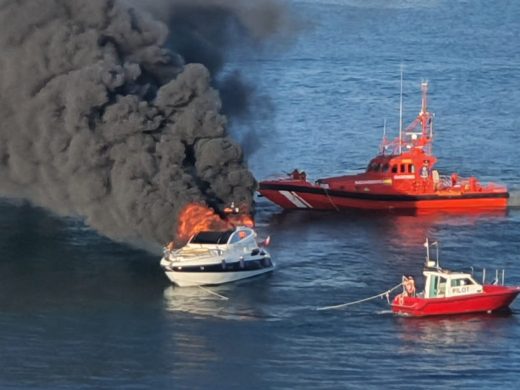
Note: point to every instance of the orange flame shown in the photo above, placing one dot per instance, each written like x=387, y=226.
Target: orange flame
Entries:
x=196, y=217
x=241, y=220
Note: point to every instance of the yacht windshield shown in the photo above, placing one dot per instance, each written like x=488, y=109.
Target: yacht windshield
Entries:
x=211, y=237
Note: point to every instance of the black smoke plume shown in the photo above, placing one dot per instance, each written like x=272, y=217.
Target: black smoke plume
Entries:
x=211, y=31
x=105, y=117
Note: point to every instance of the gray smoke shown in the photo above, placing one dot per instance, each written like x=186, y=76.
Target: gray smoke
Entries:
x=103, y=119
x=210, y=31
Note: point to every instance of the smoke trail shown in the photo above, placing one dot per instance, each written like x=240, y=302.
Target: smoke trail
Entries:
x=102, y=120
x=210, y=31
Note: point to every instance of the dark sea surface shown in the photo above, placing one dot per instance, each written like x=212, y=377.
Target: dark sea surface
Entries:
x=80, y=311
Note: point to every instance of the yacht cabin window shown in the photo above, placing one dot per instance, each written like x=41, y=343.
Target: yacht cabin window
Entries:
x=240, y=235
x=374, y=166
x=211, y=237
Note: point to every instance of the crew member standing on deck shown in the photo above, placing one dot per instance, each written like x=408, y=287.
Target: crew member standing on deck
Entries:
x=425, y=170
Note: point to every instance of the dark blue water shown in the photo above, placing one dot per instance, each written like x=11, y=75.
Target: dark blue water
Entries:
x=80, y=311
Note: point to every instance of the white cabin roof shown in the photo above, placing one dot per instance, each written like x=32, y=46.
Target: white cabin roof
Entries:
x=446, y=273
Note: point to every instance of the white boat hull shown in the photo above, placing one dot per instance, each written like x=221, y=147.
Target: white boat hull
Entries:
x=215, y=257
x=187, y=279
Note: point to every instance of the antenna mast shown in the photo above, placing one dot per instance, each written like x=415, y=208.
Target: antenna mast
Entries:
x=401, y=112
x=424, y=100
x=383, y=142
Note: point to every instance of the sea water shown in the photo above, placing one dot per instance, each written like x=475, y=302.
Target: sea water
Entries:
x=80, y=311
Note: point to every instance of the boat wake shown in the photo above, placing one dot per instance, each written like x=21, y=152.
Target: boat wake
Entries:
x=201, y=303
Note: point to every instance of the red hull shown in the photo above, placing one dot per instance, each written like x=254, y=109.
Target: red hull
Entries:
x=494, y=298
x=298, y=194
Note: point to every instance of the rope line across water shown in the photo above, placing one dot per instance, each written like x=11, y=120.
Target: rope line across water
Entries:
x=361, y=300
x=214, y=293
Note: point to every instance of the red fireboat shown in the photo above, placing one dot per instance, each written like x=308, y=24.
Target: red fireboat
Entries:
x=401, y=176
x=447, y=292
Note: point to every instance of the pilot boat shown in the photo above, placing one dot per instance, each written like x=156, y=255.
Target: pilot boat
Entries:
x=401, y=176
x=217, y=257
x=449, y=292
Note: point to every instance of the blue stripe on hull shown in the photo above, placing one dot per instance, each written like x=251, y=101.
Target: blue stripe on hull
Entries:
x=238, y=266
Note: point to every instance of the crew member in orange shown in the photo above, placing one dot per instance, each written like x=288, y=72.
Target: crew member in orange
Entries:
x=297, y=175
x=409, y=286
x=472, y=183
x=425, y=170
x=454, y=179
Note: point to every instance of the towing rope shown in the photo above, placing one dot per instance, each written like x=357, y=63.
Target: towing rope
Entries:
x=214, y=293
x=330, y=199
x=361, y=300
